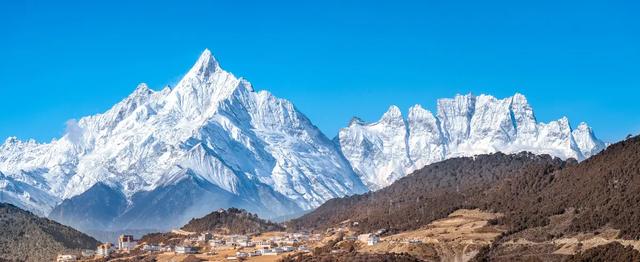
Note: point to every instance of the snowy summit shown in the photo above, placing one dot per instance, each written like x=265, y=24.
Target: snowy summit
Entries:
x=212, y=141
x=466, y=125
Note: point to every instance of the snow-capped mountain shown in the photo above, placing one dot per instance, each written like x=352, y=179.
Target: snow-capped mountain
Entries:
x=165, y=156
x=466, y=125
x=158, y=158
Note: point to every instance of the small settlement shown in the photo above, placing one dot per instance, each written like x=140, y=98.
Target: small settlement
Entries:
x=210, y=246
x=207, y=246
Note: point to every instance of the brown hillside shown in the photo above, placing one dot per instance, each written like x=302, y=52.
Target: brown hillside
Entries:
x=599, y=194
x=609, y=252
x=231, y=221
x=27, y=237
x=604, y=190
x=428, y=194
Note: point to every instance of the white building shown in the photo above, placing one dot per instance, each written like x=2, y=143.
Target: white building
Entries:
x=88, y=253
x=217, y=243
x=272, y=252
x=364, y=237
x=264, y=244
x=374, y=239
x=66, y=258
x=288, y=241
x=185, y=250
x=246, y=244
x=104, y=250
x=204, y=237
x=151, y=248
x=288, y=248
x=236, y=239
x=126, y=243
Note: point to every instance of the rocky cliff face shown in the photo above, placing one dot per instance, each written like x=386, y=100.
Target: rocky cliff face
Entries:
x=466, y=125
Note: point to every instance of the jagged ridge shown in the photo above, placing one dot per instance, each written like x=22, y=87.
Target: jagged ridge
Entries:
x=468, y=125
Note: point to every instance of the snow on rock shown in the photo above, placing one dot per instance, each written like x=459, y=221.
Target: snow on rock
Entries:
x=212, y=127
x=465, y=125
x=378, y=151
x=586, y=140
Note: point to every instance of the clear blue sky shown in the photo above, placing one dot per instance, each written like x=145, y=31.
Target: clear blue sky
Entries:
x=61, y=60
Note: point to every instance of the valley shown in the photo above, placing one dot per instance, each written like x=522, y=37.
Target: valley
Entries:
x=464, y=235
x=493, y=207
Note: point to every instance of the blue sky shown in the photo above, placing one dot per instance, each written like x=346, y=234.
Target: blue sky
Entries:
x=334, y=59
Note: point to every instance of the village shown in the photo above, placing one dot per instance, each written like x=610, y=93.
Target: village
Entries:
x=457, y=236
x=209, y=246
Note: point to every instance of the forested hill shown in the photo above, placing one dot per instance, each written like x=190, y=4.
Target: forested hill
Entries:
x=231, y=221
x=27, y=237
x=429, y=193
x=542, y=198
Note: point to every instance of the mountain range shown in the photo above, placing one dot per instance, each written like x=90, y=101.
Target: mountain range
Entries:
x=466, y=125
x=159, y=158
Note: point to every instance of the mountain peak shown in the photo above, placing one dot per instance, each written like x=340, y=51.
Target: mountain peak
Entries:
x=564, y=121
x=587, y=141
x=142, y=89
x=203, y=87
x=356, y=121
x=417, y=111
x=11, y=140
x=519, y=97
x=393, y=111
x=142, y=86
x=205, y=65
x=417, y=108
x=460, y=104
x=583, y=129
x=393, y=115
x=583, y=126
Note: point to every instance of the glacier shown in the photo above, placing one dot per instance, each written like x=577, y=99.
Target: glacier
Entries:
x=466, y=125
